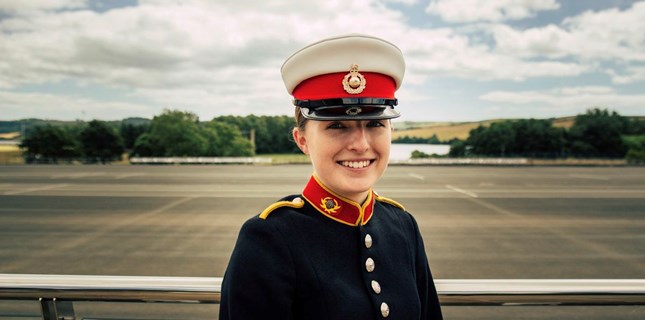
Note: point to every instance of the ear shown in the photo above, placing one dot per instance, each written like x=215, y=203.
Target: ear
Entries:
x=301, y=141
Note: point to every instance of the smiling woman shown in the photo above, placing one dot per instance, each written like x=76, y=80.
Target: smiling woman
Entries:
x=338, y=250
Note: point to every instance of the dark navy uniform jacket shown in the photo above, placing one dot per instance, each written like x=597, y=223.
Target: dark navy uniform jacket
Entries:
x=320, y=256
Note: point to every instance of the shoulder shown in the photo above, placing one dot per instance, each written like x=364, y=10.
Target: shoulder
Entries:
x=396, y=210
x=293, y=201
x=273, y=225
x=389, y=202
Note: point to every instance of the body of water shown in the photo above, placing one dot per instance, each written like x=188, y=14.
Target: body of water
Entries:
x=403, y=151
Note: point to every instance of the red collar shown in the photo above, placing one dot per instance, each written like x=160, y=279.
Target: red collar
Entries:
x=336, y=207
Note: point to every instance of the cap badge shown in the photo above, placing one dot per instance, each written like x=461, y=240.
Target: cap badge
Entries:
x=330, y=205
x=354, y=82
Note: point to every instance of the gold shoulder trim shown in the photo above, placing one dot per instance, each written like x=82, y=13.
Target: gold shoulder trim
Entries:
x=295, y=203
x=390, y=201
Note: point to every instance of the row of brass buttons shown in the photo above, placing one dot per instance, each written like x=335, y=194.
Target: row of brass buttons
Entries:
x=376, y=287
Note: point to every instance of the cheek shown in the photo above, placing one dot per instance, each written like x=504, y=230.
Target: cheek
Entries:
x=383, y=139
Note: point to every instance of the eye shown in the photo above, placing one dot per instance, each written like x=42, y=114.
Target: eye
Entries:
x=375, y=123
x=336, y=125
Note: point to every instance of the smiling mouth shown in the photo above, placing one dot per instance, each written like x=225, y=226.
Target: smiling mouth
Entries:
x=356, y=164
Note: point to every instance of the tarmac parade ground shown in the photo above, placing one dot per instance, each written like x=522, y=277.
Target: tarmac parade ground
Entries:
x=477, y=222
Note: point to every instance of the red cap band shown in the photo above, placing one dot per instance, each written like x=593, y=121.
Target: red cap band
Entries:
x=330, y=86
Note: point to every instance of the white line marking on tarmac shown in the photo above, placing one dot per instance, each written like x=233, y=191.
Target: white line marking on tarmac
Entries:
x=416, y=176
x=53, y=186
x=496, y=208
x=468, y=193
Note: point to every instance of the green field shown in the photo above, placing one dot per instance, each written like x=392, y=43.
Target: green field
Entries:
x=450, y=130
x=10, y=154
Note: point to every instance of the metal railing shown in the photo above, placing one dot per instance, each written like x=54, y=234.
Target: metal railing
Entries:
x=200, y=160
x=57, y=292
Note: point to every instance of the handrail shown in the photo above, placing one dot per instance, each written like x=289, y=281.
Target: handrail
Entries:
x=207, y=290
x=110, y=288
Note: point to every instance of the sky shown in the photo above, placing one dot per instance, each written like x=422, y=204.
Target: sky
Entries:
x=467, y=60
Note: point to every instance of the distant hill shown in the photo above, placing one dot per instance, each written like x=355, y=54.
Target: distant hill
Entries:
x=450, y=130
x=134, y=121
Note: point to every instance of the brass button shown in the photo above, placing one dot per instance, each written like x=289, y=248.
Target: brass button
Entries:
x=369, y=265
x=296, y=200
x=385, y=310
x=368, y=241
x=376, y=287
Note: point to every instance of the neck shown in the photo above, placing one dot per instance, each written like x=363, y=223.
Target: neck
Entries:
x=358, y=198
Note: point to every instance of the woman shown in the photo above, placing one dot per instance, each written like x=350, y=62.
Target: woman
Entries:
x=338, y=250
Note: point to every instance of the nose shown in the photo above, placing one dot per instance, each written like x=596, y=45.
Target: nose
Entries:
x=359, y=141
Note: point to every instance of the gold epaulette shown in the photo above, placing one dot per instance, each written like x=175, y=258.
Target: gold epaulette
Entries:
x=390, y=201
x=295, y=203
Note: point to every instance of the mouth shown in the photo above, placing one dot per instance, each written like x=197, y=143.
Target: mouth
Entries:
x=356, y=164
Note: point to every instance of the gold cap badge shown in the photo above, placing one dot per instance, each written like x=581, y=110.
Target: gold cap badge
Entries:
x=354, y=82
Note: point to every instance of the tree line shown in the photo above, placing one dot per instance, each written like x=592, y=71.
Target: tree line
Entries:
x=598, y=133
x=173, y=133
x=411, y=139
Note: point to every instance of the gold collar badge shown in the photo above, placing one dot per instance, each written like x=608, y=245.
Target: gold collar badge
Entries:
x=354, y=82
x=330, y=205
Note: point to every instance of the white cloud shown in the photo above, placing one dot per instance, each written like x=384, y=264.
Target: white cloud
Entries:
x=223, y=57
x=571, y=98
x=632, y=74
x=406, y=2
x=215, y=57
x=443, y=52
x=488, y=10
x=16, y=105
x=147, y=45
x=609, y=35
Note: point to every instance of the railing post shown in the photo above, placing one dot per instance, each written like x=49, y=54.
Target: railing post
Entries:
x=57, y=310
x=48, y=309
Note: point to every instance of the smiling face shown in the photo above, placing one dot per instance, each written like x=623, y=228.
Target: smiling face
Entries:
x=348, y=157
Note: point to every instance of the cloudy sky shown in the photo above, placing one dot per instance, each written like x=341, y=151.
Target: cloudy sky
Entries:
x=466, y=59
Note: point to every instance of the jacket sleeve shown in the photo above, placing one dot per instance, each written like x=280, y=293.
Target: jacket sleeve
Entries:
x=259, y=280
x=430, y=307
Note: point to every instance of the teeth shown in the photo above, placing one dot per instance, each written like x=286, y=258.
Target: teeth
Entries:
x=356, y=164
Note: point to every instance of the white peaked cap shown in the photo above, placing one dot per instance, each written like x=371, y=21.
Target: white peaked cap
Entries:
x=338, y=54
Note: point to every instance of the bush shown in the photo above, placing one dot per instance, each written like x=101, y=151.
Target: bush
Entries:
x=416, y=154
x=636, y=152
x=49, y=144
x=100, y=143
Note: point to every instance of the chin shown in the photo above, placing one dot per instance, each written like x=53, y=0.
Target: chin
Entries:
x=358, y=185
